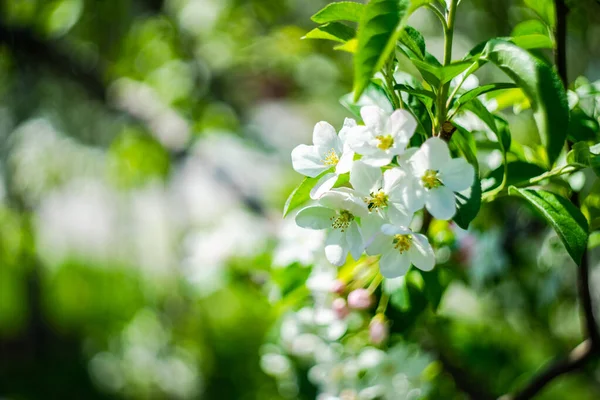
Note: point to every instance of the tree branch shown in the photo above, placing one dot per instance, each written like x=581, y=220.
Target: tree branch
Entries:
x=575, y=360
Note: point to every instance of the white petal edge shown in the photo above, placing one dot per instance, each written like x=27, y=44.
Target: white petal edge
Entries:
x=336, y=247
x=441, y=203
x=355, y=240
x=373, y=117
x=307, y=161
x=325, y=139
x=315, y=217
x=323, y=185
x=421, y=253
x=457, y=174
x=364, y=177
x=393, y=264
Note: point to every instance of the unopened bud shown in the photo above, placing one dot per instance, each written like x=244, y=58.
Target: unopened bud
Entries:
x=360, y=299
x=340, y=308
x=379, y=329
x=338, y=287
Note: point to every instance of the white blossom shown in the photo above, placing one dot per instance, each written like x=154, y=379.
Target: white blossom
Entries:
x=436, y=177
x=337, y=214
x=399, y=248
x=383, y=136
x=328, y=152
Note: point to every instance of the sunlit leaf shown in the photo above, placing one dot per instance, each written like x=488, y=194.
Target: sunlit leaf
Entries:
x=340, y=11
x=566, y=219
x=335, y=31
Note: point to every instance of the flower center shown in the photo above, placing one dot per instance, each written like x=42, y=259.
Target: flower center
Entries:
x=331, y=158
x=385, y=141
x=342, y=221
x=402, y=242
x=431, y=179
x=377, y=200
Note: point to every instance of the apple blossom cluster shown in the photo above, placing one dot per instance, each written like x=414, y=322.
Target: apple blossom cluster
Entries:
x=372, y=209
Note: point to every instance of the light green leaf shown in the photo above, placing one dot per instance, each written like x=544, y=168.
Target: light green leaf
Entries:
x=478, y=91
x=532, y=34
x=436, y=75
x=565, y=218
x=335, y=31
x=374, y=94
x=301, y=194
x=535, y=41
x=420, y=93
x=379, y=28
x=542, y=86
x=349, y=46
x=530, y=27
x=341, y=11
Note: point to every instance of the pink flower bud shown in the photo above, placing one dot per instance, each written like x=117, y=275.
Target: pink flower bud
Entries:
x=340, y=308
x=338, y=287
x=379, y=330
x=360, y=299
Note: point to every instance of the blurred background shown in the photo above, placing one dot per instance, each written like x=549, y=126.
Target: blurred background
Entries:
x=144, y=163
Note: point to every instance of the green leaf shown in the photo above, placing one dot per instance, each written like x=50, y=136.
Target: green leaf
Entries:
x=414, y=41
x=579, y=154
x=478, y=91
x=497, y=125
x=420, y=93
x=349, y=46
x=542, y=86
x=530, y=27
x=543, y=8
x=301, y=194
x=341, y=11
x=469, y=203
x=379, y=28
x=517, y=172
x=566, y=219
x=335, y=31
x=436, y=75
x=535, y=41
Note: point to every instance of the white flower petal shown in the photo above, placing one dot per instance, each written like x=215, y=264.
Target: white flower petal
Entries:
x=380, y=244
x=349, y=123
x=393, y=177
x=433, y=154
x=323, y=185
x=326, y=139
x=307, y=161
x=371, y=227
x=399, y=215
x=336, y=247
x=315, y=217
x=344, y=199
x=345, y=163
x=374, y=117
x=421, y=253
x=441, y=203
x=391, y=230
x=355, y=240
x=413, y=195
x=361, y=140
x=377, y=158
x=393, y=264
x=458, y=174
x=403, y=125
x=404, y=157
x=364, y=178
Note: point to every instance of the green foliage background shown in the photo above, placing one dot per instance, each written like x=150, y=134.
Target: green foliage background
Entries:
x=127, y=92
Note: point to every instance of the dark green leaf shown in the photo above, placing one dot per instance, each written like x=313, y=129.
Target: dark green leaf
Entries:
x=380, y=26
x=542, y=86
x=341, y=11
x=565, y=218
x=468, y=204
x=335, y=31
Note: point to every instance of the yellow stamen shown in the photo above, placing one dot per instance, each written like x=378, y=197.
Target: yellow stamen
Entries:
x=342, y=221
x=377, y=200
x=431, y=179
x=331, y=158
x=385, y=142
x=402, y=242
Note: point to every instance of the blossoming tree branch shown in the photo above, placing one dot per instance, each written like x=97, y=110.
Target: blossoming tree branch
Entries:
x=410, y=158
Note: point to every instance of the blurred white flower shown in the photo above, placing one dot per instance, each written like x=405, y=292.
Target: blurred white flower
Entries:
x=296, y=244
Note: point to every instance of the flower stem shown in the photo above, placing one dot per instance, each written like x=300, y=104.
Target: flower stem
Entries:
x=448, y=38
